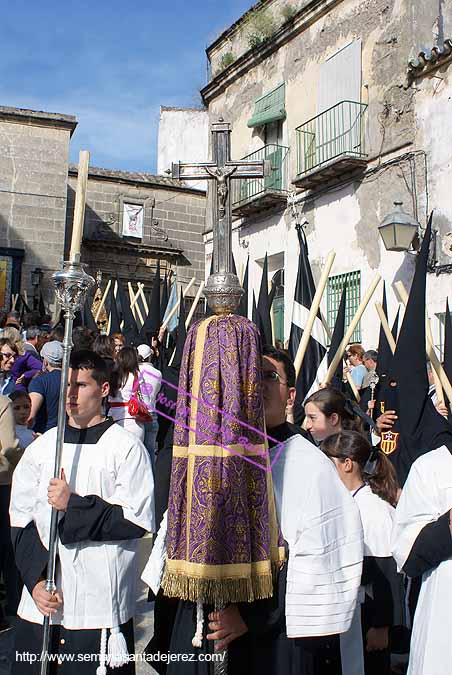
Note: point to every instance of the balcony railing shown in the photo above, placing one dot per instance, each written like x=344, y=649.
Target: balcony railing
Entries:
x=336, y=133
x=249, y=190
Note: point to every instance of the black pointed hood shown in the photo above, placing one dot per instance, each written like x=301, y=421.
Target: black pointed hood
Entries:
x=419, y=426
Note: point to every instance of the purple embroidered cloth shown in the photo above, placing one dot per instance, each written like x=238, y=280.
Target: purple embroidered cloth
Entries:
x=223, y=537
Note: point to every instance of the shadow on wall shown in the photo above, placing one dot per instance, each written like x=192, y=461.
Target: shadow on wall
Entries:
x=125, y=261
x=16, y=272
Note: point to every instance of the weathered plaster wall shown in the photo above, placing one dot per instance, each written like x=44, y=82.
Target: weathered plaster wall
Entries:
x=407, y=141
x=183, y=136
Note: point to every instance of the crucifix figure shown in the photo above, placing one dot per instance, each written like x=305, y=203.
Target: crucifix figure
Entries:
x=223, y=289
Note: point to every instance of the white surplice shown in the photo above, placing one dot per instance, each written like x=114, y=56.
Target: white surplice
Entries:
x=97, y=579
x=321, y=523
x=427, y=495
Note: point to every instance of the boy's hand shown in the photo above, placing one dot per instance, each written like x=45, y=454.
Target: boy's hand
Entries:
x=58, y=492
x=46, y=602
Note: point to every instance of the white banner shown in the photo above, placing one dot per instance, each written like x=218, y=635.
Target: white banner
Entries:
x=132, y=220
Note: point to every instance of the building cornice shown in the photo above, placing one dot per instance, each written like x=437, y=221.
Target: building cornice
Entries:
x=305, y=17
x=38, y=118
x=134, y=178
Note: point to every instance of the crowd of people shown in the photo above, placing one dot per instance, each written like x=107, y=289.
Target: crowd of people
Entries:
x=110, y=498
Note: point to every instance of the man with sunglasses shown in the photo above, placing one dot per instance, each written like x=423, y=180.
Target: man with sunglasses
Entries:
x=296, y=631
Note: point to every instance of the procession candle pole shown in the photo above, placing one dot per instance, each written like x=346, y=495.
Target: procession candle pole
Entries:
x=302, y=347
x=194, y=305
x=134, y=306
x=437, y=381
x=385, y=326
x=143, y=297
x=71, y=287
x=348, y=377
x=436, y=365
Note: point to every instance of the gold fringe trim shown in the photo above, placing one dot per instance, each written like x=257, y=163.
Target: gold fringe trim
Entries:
x=218, y=592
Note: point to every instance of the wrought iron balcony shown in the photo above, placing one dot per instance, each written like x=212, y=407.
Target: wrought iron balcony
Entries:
x=256, y=194
x=330, y=144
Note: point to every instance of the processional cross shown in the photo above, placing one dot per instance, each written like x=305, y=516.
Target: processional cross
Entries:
x=223, y=290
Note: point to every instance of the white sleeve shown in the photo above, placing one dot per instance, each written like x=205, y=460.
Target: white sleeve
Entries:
x=415, y=509
x=24, y=489
x=153, y=571
x=325, y=563
x=134, y=487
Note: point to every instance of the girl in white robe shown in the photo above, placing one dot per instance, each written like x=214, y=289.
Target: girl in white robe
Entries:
x=371, y=480
x=124, y=386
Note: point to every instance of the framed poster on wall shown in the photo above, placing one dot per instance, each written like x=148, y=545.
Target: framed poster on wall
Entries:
x=132, y=220
x=6, y=274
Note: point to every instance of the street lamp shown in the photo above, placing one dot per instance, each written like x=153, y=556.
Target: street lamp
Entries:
x=398, y=230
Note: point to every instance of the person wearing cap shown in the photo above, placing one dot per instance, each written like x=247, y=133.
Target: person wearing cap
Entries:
x=151, y=382
x=44, y=389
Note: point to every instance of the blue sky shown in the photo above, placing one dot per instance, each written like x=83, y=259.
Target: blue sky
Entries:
x=111, y=64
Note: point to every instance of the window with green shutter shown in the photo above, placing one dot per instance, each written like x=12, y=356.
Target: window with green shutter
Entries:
x=353, y=299
x=269, y=108
x=441, y=316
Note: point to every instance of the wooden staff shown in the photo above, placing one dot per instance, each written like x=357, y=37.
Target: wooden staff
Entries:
x=348, y=376
x=135, y=296
x=385, y=326
x=431, y=350
x=26, y=297
x=349, y=332
x=143, y=297
x=134, y=306
x=439, y=375
x=194, y=304
x=176, y=306
x=102, y=302
x=313, y=313
x=70, y=306
x=14, y=297
x=79, y=208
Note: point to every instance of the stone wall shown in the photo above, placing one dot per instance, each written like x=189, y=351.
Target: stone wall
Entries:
x=174, y=219
x=34, y=151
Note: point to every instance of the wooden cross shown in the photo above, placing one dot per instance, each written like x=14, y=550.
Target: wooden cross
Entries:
x=221, y=169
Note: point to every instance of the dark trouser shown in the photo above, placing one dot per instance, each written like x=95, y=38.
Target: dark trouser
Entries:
x=8, y=569
x=82, y=646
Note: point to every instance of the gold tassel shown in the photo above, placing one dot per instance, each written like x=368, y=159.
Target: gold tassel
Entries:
x=218, y=592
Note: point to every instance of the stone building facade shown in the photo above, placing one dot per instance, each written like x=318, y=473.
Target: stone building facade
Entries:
x=172, y=227
x=37, y=192
x=34, y=153
x=349, y=100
